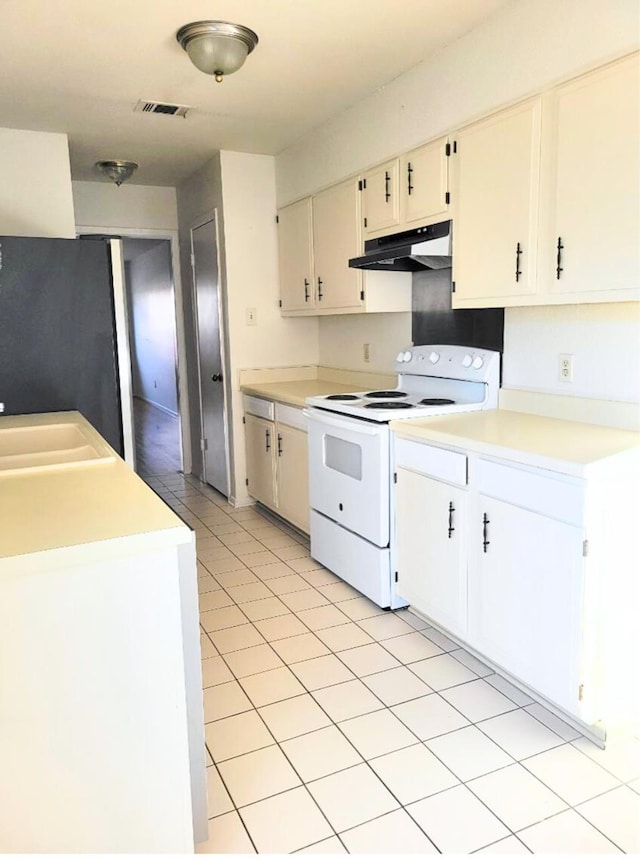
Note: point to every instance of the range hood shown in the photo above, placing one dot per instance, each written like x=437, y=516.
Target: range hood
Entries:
x=414, y=250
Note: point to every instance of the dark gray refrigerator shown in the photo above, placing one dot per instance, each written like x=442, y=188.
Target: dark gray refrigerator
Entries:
x=57, y=331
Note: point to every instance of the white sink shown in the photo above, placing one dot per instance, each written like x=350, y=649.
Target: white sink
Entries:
x=52, y=445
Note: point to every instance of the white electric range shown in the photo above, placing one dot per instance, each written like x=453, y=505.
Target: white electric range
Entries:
x=350, y=469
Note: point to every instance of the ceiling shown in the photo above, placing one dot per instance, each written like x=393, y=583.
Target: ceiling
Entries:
x=80, y=66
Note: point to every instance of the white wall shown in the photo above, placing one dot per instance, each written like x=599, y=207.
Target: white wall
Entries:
x=141, y=207
x=341, y=343
x=152, y=322
x=251, y=281
x=35, y=185
x=525, y=47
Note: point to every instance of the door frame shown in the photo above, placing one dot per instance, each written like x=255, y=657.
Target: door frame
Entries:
x=207, y=217
x=181, y=352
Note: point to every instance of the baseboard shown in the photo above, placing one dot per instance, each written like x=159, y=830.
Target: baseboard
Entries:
x=156, y=405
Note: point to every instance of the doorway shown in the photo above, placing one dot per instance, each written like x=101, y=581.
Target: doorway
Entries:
x=208, y=316
x=150, y=298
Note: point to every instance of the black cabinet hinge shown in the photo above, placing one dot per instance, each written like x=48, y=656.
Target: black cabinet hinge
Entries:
x=244, y=420
x=453, y=286
x=359, y=184
x=447, y=150
x=447, y=198
x=395, y=476
x=396, y=575
x=246, y=481
x=365, y=222
x=280, y=303
x=277, y=219
x=364, y=183
x=362, y=295
x=455, y=146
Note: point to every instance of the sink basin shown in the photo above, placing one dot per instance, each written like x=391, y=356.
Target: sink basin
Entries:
x=52, y=445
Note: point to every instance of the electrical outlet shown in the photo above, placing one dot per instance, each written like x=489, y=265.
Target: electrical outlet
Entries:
x=366, y=352
x=565, y=368
x=252, y=316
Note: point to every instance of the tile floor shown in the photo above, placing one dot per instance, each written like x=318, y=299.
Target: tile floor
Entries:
x=335, y=727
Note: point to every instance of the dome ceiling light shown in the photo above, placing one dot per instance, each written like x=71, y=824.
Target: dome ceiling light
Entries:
x=117, y=171
x=217, y=47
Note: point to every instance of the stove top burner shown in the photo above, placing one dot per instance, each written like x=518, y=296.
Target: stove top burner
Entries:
x=385, y=395
x=391, y=405
x=342, y=397
x=436, y=401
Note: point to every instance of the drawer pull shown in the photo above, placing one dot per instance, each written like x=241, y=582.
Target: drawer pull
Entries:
x=485, y=533
x=452, y=510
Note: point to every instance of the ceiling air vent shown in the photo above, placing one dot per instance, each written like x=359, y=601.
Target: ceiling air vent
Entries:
x=144, y=106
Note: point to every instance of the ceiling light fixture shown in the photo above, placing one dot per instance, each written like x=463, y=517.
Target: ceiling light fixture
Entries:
x=117, y=171
x=217, y=47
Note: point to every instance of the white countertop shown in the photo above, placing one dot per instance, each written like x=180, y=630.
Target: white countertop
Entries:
x=76, y=505
x=294, y=393
x=567, y=446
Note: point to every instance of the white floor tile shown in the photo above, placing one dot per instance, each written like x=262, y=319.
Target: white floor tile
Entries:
x=322, y=617
x=393, y=834
x=214, y=599
x=441, y=640
x=430, y=717
x=516, y=797
x=385, y=626
x=247, y=593
x=226, y=835
x=294, y=716
x=478, y=700
x=327, y=847
x=476, y=665
x=321, y=672
x=304, y=565
x=299, y=647
x=456, y=821
x=509, y=690
x=368, y=659
x=288, y=584
x=307, y=598
x=222, y=618
x=218, y=800
x=263, y=609
x=238, y=576
x=347, y=700
x=207, y=584
x=215, y=671
x=267, y=572
x=572, y=775
x=237, y=735
x=224, y=700
x=413, y=773
x=557, y=725
x=338, y=592
x=442, y=672
x=566, y=833
x=414, y=620
x=344, y=637
x=206, y=647
x=281, y=626
x=271, y=686
x=284, y=823
x=252, y=660
x=635, y=785
x=257, y=775
x=621, y=757
x=360, y=608
x=396, y=686
x=248, y=547
x=617, y=815
x=352, y=797
x=319, y=577
x=236, y=638
x=468, y=753
x=320, y=753
x=510, y=846
x=520, y=734
x=225, y=565
x=375, y=734
x=411, y=648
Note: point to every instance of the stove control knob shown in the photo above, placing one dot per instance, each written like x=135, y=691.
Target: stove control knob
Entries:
x=400, y=357
x=477, y=362
x=466, y=361
x=408, y=356
x=434, y=357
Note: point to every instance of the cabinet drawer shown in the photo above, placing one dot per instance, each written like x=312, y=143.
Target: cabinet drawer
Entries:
x=532, y=490
x=291, y=416
x=259, y=407
x=433, y=461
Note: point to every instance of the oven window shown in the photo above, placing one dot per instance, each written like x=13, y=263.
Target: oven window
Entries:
x=343, y=456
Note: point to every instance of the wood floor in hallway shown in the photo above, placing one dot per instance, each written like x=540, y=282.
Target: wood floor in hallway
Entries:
x=157, y=439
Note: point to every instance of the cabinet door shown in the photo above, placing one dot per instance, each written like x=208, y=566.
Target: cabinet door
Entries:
x=595, y=214
x=380, y=197
x=497, y=166
x=260, y=449
x=336, y=239
x=292, y=475
x=526, y=597
x=295, y=256
x=431, y=557
x=424, y=184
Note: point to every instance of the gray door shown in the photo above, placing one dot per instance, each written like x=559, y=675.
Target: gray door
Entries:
x=204, y=249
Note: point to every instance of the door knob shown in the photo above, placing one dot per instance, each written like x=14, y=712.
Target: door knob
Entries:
x=217, y=377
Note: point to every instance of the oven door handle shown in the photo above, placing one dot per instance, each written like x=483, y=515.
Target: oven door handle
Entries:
x=346, y=422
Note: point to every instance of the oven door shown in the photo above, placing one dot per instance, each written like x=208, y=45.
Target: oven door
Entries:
x=349, y=473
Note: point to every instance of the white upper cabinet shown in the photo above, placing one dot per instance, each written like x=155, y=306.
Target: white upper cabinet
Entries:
x=424, y=184
x=591, y=237
x=336, y=239
x=497, y=170
x=380, y=197
x=295, y=257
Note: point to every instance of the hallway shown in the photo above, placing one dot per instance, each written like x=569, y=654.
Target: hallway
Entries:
x=157, y=440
